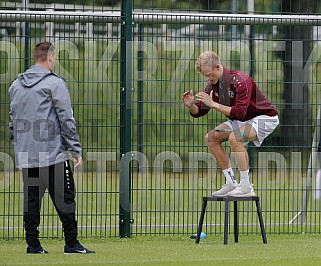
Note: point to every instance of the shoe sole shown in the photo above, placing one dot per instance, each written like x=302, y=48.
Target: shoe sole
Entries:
x=35, y=253
x=73, y=253
x=250, y=194
x=222, y=195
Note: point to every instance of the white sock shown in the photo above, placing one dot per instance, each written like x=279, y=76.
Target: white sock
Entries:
x=229, y=176
x=245, y=177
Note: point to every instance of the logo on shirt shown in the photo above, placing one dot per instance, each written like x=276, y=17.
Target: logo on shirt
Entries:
x=231, y=94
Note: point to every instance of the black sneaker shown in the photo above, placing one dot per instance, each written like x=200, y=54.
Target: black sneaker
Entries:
x=78, y=249
x=36, y=250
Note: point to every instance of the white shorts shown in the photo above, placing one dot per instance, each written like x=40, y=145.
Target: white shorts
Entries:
x=264, y=125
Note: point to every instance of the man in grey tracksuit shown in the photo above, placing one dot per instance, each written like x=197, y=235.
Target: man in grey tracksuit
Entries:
x=43, y=131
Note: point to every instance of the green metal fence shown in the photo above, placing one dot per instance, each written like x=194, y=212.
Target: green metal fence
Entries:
x=146, y=165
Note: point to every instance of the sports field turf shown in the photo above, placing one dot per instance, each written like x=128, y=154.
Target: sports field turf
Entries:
x=174, y=250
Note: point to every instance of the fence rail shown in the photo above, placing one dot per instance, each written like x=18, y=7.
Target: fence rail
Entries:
x=161, y=17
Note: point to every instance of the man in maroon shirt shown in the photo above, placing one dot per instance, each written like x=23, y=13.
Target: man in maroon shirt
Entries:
x=251, y=118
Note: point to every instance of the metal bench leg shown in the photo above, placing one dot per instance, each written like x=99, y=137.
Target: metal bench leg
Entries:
x=236, y=224
x=200, y=224
x=226, y=222
x=259, y=213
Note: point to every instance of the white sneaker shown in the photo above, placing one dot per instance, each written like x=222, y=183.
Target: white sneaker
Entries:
x=224, y=190
x=242, y=191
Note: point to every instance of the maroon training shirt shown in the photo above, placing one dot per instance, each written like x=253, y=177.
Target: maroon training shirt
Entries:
x=239, y=91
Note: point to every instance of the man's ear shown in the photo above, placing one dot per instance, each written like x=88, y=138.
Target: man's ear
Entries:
x=50, y=58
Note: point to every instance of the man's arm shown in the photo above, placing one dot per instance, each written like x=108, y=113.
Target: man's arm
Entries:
x=193, y=109
x=239, y=109
x=226, y=110
x=208, y=101
x=11, y=123
x=62, y=104
x=188, y=100
x=196, y=109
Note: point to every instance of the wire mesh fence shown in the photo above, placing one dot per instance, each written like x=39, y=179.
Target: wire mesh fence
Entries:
x=171, y=167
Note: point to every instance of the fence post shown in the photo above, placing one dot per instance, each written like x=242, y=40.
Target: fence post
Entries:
x=125, y=117
x=140, y=84
x=25, y=6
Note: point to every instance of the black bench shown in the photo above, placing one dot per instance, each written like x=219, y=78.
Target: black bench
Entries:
x=226, y=216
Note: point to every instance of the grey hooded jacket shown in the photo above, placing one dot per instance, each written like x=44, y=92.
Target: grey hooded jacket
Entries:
x=42, y=126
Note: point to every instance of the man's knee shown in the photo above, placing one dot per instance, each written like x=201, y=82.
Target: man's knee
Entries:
x=211, y=138
x=235, y=140
x=206, y=138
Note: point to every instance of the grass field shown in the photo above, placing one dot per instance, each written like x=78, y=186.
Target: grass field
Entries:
x=179, y=250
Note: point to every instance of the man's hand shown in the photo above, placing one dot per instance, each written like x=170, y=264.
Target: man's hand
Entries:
x=188, y=98
x=77, y=161
x=206, y=99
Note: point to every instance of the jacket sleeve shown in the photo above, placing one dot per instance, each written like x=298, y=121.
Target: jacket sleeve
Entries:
x=62, y=105
x=243, y=98
x=11, y=123
x=202, y=110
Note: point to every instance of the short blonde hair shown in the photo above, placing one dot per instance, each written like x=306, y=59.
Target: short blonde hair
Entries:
x=207, y=58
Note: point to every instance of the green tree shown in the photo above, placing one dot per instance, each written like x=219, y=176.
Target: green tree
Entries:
x=296, y=116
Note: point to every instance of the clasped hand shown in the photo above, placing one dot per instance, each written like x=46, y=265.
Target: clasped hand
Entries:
x=205, y=98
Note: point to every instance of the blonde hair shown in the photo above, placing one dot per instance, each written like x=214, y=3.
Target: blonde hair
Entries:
x=207, y=58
